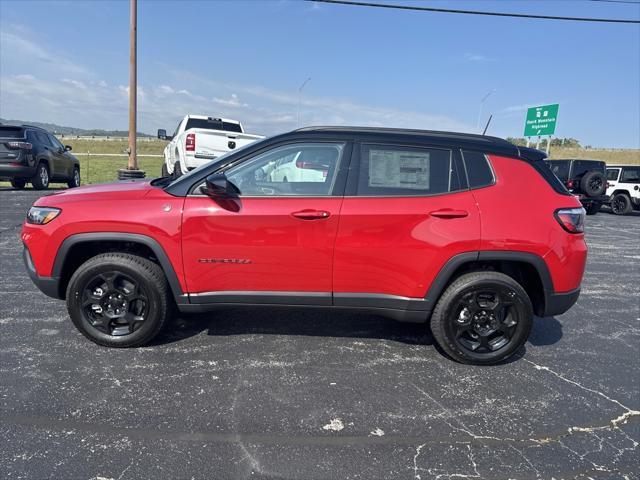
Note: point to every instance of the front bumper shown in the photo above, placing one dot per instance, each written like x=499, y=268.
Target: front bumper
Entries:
x=50, y=286
x=558, y=303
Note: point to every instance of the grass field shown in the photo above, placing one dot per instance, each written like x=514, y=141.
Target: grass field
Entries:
x=99, y=169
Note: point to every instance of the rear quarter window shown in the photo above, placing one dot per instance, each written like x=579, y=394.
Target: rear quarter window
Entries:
x=612, y=174
x=479, y=172
x=390, y=170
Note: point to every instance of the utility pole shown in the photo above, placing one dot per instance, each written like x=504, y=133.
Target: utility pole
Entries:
x=299, y=100
x=132, y=166
x=133, y=84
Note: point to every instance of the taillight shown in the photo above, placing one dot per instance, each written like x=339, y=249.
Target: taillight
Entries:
x=570, y=184
x=571, y=219
x=19, y=145
x=190, y=144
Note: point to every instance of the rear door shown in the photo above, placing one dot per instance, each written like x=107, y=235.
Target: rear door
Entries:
x=405, y=213
x=274, y=243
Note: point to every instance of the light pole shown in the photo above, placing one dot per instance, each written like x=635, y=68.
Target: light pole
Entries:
x=481, y=104
x=299, y=99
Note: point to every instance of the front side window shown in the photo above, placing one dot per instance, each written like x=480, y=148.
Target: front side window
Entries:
x=612, y=174
x=55, y=142
x=630, y=175
x=387, y=170
x=301, y=169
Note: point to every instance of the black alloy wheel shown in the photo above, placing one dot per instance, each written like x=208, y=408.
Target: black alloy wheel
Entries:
x=119, y=299
x=114, y=303
x=621, y=204
x=482, y=318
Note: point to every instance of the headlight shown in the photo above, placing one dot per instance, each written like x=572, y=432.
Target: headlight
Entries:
x=42, y=215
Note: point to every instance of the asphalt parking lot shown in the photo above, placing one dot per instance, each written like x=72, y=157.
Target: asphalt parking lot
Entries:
x=292, y=395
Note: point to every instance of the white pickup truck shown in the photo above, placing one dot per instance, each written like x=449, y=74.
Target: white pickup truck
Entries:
x=199, y=139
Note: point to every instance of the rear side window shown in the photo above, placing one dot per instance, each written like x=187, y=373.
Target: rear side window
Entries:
x=11, y=132
x=43, y=139
x=479, y=173
x=387, y=170
x=612, y=174
x=580, y=167
x=630, y=175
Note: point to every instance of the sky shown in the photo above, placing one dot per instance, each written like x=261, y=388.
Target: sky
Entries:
x=66, y=62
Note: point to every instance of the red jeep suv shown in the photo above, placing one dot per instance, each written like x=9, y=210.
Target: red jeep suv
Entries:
x=466, y=231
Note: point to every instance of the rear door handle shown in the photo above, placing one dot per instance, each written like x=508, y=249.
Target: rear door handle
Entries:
x=449, y=213
x=309, y=214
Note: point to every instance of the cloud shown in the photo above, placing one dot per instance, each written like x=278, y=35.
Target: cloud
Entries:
x=474, y=57
x=232, y=101
x=76, y=97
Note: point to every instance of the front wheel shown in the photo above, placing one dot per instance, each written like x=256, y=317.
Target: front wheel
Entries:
x=75, y=179
x=118, y=299
x=482, y=318
x=621, y=204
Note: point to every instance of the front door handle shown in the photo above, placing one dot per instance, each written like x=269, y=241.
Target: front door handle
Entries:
x=449, y=213
x=309, y=214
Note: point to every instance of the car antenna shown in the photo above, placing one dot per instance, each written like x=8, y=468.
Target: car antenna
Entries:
x=487, y=125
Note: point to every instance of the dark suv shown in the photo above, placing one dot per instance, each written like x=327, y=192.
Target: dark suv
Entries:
x=31, y=154
x=585, y=178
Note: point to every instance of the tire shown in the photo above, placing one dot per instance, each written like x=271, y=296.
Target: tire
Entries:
x=177, y=170
x=106, y=280
x=467, y=304
x=593, y=183
x=165, y=172
x=621, y=204
x=18, y=183
x=75, y=179
x=40, y=180
x=593, y=208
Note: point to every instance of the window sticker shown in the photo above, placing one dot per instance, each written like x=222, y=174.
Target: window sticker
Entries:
x=399, y=169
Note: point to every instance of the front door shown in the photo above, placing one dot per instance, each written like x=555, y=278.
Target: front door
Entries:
x=274, y=242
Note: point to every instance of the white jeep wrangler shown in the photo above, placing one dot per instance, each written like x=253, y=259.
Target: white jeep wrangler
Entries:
x=623, y=188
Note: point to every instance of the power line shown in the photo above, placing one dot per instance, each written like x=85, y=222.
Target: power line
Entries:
x=474, y=12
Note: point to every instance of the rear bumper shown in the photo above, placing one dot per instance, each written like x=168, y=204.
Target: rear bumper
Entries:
x=558, y=303
x=9, y=170
x=585, y=200
x=50, y=286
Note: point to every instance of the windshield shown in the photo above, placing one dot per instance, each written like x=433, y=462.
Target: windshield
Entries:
x=196, y=171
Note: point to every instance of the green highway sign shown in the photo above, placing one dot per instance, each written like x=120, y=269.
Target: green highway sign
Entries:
x=541, y=120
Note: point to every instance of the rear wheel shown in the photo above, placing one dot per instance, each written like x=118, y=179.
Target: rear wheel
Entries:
x=118, y=299
x=482, y=318
x=40, y=180
x=593, y=208
x=75, y=178
x=18, y=184
x=621, y=204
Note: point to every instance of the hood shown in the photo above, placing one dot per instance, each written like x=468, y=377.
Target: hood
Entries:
x=127, y=189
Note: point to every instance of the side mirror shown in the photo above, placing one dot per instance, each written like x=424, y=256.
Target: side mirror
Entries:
x=217, y=186
x=162, y=134
x=67, y=148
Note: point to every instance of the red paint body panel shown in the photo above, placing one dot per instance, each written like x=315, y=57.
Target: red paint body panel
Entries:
x=394, y=246
x=134, y=207
x=518, y=215
x=285, y=253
